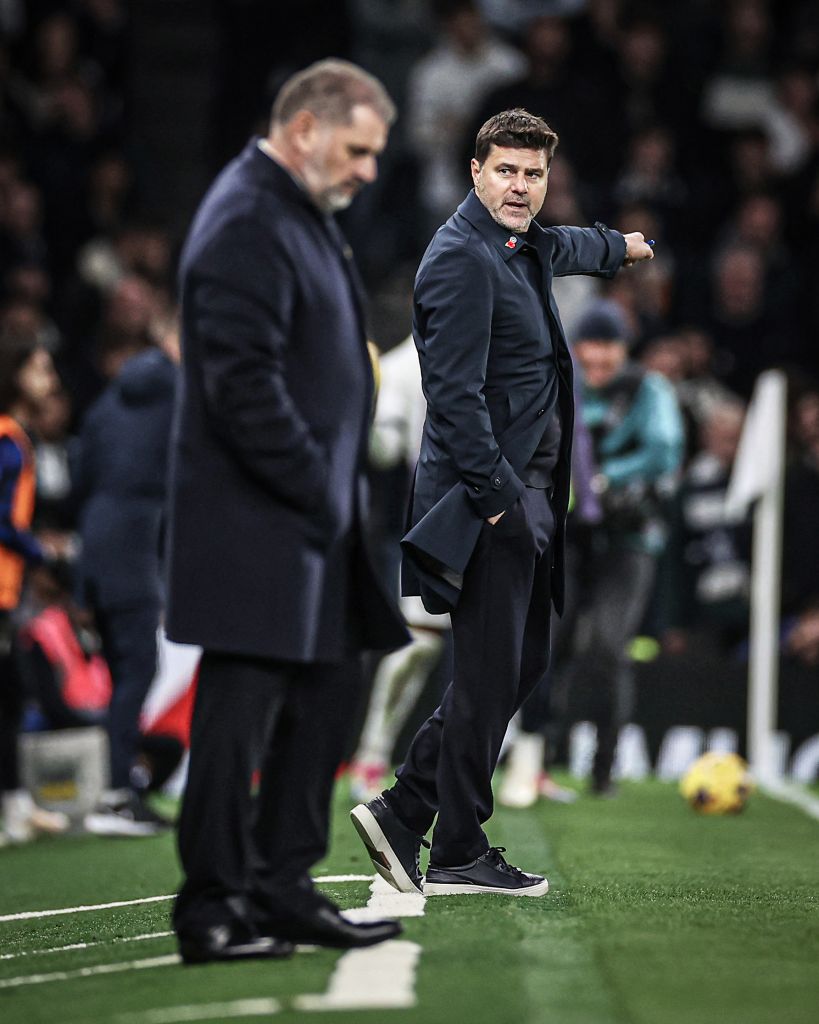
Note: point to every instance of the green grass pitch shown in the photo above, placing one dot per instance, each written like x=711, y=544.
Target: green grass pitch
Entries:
x=655, y=916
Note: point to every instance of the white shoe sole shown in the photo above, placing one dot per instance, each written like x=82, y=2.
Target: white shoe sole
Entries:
x=518, y=799
x=378, y=847
x=453, y=889
x=108, y=825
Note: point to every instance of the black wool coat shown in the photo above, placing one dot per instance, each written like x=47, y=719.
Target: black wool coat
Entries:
x=266, y=550
x=493, y=360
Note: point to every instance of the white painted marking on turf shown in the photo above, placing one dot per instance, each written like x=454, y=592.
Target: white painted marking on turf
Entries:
x=88, y=972
x=85, y=945
x=204, y=1011
x=387, y=902
x=328, y=879
x=791, y=793
x=29, y=915
x=379, y=977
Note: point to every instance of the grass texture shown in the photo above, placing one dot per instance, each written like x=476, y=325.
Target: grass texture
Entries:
x=655, y=916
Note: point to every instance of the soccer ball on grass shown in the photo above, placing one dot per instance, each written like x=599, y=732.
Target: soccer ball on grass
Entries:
x=717, y=784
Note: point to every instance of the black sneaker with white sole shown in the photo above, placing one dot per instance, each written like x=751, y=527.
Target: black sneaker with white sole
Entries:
x=394, y=849
x=489, y=873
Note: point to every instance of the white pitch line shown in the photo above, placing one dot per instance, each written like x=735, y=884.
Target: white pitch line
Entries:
x=85, y=945
x=30, y=915
x=379, y=977
x=204, y=1011
x=791, y=793
x=329, y=879
x=89, y=972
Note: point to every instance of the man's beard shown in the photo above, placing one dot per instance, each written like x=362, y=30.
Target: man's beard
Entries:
x=497, y=214
x=336, y=199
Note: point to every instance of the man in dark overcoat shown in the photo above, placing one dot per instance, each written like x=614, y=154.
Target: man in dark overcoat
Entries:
x=490, y=497
x=120, y=482
x=267, y=566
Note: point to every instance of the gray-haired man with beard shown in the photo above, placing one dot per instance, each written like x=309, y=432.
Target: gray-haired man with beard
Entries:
x=267, y=566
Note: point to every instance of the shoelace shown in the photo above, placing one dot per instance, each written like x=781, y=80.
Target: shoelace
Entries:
x=499, y=861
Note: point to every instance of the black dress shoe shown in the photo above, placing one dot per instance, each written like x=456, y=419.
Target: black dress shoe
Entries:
x=325, y=926
x=230, y=942
x=394, y=849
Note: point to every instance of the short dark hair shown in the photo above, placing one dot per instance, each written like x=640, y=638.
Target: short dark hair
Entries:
x=330, y=89
x=516, y=129
x=15, y=352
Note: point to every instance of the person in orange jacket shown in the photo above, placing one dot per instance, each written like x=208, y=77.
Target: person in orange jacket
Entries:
x=27, y=375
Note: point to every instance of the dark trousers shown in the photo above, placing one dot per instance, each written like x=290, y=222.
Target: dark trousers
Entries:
x=500, y=632
x=128, y=637
x=266, y=740
x=620, y=587
x=539, y=713
x=11, y=705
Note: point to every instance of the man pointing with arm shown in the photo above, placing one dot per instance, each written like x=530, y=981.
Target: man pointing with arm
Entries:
x=490, y=497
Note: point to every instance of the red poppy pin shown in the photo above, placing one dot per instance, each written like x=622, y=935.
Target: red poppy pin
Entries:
x=513, y=241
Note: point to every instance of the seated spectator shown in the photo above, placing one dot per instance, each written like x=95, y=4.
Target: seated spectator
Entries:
x=705, y=573
x=68, y=686
x=748, y=337
x=445, y=89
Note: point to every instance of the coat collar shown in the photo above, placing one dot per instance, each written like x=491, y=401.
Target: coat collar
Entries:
x=270, y=174
x=506, y=242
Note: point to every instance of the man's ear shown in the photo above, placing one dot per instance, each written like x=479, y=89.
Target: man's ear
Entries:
x=302, y=129
x=475, y=167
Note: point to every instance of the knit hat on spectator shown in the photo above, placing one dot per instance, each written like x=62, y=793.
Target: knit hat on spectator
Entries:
x=603, y=320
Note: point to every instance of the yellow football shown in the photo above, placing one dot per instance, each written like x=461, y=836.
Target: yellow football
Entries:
x=717, y=784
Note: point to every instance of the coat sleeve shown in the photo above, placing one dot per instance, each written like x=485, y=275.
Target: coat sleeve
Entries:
x=19, y=541
x=453, y=299
x=597, y=251
x=659, y=440
x=242, y=297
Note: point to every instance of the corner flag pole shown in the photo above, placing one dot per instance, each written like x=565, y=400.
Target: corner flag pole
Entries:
x=759, y=474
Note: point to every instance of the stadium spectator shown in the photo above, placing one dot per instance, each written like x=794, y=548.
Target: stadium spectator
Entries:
x=68, y=684
x=120, y=487
x=26, y=377
x=445, y=89
x=55, y=453
x=705, y=569
x=747, y=336
x=552, y=88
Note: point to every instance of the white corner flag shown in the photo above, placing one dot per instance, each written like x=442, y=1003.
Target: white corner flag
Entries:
x=759, y=476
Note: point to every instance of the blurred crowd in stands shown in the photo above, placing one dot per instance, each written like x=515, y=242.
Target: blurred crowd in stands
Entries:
x=694, y=122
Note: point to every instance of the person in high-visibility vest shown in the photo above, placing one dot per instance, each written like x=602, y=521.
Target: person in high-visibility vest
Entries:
x=27, y=376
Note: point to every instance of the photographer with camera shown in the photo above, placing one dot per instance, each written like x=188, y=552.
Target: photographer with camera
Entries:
x=638, y=439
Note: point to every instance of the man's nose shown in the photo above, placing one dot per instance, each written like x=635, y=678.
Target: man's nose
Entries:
x=520, y=184
x=368, y=169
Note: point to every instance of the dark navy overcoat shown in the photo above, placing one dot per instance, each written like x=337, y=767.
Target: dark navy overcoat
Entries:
x=267, y=477
x=120, y=480
x=493, y=360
